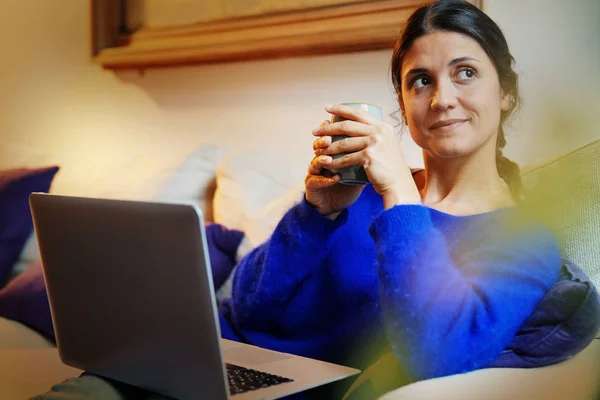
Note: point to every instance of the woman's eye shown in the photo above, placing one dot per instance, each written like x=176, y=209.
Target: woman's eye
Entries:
x=420, y=82
x=466, y=74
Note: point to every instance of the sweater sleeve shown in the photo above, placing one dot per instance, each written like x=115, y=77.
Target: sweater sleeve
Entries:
x=267, y=279
x=452, y=313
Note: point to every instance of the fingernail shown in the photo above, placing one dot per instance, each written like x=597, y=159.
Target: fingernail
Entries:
x=328, y=106
x=315, y=130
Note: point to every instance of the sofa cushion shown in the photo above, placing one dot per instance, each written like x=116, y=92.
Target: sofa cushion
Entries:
x=16, y=225
x=194, y=180
x=563, y=323
x=255, y=188
x=29, y=255
x=565, y=194
x=15, y=336
x=574, y=379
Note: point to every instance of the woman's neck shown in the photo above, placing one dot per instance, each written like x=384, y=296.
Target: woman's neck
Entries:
x=464, y=186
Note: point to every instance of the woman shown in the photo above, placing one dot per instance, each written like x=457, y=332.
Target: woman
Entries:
x=444, y=272
x=451, y=264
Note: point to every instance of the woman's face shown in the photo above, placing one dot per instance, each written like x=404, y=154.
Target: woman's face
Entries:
x=451, y=95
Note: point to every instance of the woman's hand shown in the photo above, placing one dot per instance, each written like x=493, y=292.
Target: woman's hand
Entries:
x=371, y=144
x=323, y=189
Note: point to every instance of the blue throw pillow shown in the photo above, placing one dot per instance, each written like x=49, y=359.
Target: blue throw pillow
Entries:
x=15, y=218
x=564, y=322
x=222, y=249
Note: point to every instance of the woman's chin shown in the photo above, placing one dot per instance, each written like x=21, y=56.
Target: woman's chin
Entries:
x=448, y=150
x=449, y=146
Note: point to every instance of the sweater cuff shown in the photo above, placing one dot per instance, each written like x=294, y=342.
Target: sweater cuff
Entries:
x=400, y=220
x=314, y=224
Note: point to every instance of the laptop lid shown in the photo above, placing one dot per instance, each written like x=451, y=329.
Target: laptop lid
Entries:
x=131, y=292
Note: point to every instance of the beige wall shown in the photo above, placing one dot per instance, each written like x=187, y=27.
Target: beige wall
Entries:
x=114, y=134
x=556, y=44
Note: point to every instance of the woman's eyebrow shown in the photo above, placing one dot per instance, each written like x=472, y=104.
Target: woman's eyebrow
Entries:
x=462, y=59
x=416, y=71
x=451, y=63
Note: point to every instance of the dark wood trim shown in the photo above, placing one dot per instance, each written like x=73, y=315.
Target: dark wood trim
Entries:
x=363, y=26
x=107, y=26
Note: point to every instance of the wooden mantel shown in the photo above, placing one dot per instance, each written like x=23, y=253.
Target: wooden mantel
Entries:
x=358, y=26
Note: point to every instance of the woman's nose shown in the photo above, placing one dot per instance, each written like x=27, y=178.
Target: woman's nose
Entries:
x=444, y=96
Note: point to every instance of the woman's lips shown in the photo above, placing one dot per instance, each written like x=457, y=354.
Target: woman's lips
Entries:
x=447, y=125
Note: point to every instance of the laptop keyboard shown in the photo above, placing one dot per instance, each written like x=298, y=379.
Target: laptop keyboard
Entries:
x=244, y=379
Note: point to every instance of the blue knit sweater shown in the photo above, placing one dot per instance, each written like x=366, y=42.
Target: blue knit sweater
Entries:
x=446, y=293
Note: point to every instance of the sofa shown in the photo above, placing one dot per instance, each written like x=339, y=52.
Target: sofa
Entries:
x=564, y=193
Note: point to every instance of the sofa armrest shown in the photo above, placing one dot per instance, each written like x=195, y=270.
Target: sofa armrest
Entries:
x=14, y=335
x=576, y=379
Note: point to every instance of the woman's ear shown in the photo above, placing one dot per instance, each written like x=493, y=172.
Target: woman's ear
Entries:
x=506, y=101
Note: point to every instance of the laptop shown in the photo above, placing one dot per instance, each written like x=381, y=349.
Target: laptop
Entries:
x=131, y=297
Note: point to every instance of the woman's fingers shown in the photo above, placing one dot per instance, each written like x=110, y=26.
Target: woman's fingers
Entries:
x=346, y=145
x=348, y=128
x=318, y=163
x=321, y=143
x=350, y=159
x=352, y=113
x=315, y=179
x=315, y=182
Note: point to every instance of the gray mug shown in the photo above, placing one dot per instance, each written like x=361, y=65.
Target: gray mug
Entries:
x=355, y=174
